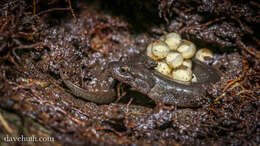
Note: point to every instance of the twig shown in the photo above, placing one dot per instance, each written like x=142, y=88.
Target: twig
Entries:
x=119, y=94
x=71, y=10
x=51, y=10
x=247, y=29
x=201, y=25
x=4, y=25
x=25, y=47
x=255, y=4
x=34, y=7
x=5, y=124
x=231, y=82
x=11, y=59
x=242, y=45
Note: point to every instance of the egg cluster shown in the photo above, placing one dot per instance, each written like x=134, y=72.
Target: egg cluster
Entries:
x=174, y=54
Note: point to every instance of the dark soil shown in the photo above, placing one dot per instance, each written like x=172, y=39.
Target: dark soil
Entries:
x=38, y=38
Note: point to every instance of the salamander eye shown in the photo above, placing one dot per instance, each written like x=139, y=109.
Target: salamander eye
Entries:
x=124, y=69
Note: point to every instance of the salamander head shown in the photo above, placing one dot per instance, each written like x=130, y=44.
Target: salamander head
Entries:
x=136, y=75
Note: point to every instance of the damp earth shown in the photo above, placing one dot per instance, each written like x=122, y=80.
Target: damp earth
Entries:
x=39, y=38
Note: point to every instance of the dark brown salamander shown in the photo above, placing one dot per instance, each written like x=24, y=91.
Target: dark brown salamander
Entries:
x=138, y=72
x=97, y=95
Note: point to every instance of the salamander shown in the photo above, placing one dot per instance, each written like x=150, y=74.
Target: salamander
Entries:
x=139, y=73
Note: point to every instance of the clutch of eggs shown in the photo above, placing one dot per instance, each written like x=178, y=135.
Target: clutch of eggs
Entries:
x=174, y=56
